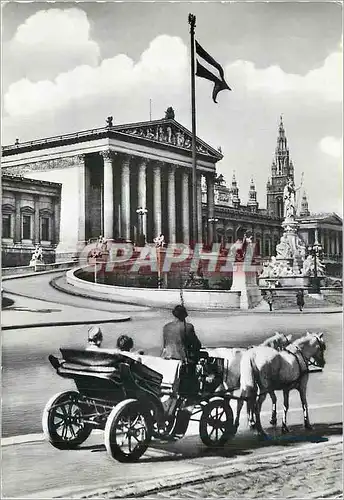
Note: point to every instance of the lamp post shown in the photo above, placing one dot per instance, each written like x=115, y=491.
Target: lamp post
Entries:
x=315, y=251
x=141, y=212
x=213, y=221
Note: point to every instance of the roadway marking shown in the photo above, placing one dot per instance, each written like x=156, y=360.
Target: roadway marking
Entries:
x=29, y=438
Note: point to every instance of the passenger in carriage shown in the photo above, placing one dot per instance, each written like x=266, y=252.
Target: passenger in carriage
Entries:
x=125, y=343
x=95, y=338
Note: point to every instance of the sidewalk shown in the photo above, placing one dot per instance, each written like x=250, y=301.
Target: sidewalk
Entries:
x=60, y=283
x=31, y=313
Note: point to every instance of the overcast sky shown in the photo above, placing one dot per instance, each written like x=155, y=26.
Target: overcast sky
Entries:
x=67, y=66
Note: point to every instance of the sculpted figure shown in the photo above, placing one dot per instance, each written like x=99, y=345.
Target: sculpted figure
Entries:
x=289, y=200
x=283, y=249
x=169, y=134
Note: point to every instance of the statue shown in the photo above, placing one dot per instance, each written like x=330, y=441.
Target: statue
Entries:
x=301, y=248
x=283, y=249
x=109, y=121
x=169, y=113
x=159, y=241
x=37, y=256
x=169, y=134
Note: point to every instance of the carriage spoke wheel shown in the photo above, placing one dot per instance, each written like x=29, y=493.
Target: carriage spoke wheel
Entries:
x=216, y=423
x=128, y=431
x=62, y=421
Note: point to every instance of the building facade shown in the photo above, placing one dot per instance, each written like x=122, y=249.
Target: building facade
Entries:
x=30, y=216
x=62, y=191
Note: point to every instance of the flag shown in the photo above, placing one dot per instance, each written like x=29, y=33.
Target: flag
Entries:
x=203, y=72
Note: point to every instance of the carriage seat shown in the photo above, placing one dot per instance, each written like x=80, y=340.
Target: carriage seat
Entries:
x=99, y=359
x=168, y=368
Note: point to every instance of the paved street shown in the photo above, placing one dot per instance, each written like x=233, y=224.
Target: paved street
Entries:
x=29, y=381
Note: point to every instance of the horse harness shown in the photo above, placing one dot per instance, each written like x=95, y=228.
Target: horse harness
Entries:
x=302, y=362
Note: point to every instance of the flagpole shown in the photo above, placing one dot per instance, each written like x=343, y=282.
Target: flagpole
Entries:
x=192, y=22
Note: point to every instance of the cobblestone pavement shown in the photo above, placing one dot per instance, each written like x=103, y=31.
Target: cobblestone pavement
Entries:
x=298, y=475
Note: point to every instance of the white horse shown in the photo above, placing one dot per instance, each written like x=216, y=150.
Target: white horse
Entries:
x=232, y=359
x=263, y=370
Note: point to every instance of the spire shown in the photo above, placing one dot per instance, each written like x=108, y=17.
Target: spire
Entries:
x=304, y=211
x=252, y=197
x=235, y=192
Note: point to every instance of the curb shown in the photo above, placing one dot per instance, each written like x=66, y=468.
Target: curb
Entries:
x=37, y=273
x=67, y=323
x=84, y=295
x=240, y=466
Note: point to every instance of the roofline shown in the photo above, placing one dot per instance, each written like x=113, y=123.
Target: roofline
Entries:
x=29, y=180
x=101, y=132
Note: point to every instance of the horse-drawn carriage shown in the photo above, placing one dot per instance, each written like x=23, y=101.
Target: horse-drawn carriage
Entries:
x=135, y=398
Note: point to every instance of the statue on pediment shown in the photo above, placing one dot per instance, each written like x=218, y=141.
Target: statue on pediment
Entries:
x=109, y=121
x=169, y=134
x=169, y=113
x=150, y=134
x=180, y=138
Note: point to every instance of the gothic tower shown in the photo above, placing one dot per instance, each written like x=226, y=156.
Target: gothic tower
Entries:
x=282, y=169
x=252, y=197
x=235, y=192
x=304, y=210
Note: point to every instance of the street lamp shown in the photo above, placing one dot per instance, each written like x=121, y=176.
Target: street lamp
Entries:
x=141, y=212
x=213, y=221
x=315, y=251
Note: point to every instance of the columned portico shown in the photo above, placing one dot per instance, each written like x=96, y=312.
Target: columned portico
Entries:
x=108, y=194
x=157, y=198
x=142, y=193
x=125, y=205
x=199, y=207
x=210, y=206
x=185, y=207
x=171, y=194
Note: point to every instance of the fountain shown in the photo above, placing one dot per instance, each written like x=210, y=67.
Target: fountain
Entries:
x=290, y=267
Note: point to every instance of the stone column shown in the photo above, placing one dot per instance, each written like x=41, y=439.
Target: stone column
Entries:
x=56, y=224
x=157, y=200
x=36, y=228
x=316, y=235
x=210, y=207
x=185, y=207
x=17, y=219
x=125, y=202
x=171, y=202
x=81, y=198
x=321, y=232
x=199, y=207
x=142, y=192
x=337, y=243
x=108, y=196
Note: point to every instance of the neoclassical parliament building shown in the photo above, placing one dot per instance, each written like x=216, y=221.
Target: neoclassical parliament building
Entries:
x=62, y=191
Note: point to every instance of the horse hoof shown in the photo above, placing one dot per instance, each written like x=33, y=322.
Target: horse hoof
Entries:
x=308, y=427
x=285, y=429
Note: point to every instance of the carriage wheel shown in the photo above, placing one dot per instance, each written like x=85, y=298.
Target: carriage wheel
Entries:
x=128, y=431
x=216, y=423
x=62, y=421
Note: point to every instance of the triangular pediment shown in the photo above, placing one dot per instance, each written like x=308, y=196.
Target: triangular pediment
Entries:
x=169, y=133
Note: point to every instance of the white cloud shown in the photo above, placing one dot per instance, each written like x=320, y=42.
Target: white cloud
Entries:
x=51, y=41
x=325, y=81
x=162, y=65
x=331, y=146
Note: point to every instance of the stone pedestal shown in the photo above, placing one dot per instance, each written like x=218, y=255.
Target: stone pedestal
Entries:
x=245, y=281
